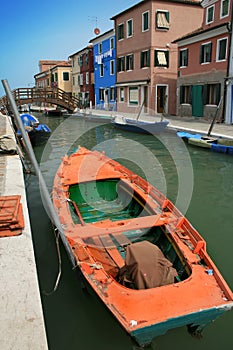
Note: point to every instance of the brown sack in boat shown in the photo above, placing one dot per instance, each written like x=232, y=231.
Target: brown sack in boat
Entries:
x=146, y=266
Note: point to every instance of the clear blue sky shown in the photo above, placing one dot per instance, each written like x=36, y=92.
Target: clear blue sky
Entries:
x=34, y=30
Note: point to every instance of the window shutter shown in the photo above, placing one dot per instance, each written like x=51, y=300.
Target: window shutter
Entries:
x=156, y=58
x=187, y=57
x=201, y=53
x=167, y=58
x=148, y=58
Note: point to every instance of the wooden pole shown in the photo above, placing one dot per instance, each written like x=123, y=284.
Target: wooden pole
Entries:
x=44, y=191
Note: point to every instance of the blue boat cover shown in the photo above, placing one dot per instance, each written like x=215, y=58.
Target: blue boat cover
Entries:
x=29, y=119
x=43, y=127
x=187, y=135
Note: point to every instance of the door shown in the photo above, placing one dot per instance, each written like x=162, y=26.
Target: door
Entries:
x=197, y=101
x=161, y=98
x=145, y=99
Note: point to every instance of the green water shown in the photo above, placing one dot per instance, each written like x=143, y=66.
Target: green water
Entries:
x=198, y=181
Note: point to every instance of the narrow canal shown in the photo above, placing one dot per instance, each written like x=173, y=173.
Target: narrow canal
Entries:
x=200, y=183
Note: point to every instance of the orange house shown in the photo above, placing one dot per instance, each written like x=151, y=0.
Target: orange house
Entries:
x=146, y=56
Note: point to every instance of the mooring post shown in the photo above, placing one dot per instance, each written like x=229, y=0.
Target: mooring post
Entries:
x=44, y=191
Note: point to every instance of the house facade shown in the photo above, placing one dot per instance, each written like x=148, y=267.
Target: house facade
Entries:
x=76, y=89
x=54, y=74
x=146, y=56
x=203, y=65
x=61, y=77
x=86, y=77
x=104, y=55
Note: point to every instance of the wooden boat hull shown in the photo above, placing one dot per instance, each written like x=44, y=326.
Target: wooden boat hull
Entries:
x=108, y=214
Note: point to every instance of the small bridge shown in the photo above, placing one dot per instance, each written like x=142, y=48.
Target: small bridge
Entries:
x=54, y=96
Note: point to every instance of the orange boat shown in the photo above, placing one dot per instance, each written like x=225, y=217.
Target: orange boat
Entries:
x=140, y=255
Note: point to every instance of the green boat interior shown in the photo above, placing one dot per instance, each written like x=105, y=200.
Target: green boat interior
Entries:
x=113, y=199
x=108, y=199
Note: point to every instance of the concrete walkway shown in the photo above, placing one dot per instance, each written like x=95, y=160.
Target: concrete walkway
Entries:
x=21, y=316
x=189, y=124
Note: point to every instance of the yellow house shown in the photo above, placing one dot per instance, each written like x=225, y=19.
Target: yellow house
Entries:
x=61, y=76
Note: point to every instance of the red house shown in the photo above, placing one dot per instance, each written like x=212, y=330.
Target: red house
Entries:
x=146, y=57
x=203, y=63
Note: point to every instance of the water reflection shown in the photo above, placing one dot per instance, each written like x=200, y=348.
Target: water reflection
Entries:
x=78, y=320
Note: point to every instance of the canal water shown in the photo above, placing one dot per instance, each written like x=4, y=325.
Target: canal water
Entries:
x=199, y=182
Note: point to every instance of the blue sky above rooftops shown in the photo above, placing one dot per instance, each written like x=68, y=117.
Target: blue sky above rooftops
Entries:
x=48, y=30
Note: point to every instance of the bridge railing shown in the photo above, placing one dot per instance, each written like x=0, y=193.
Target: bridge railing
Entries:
x=50, y=95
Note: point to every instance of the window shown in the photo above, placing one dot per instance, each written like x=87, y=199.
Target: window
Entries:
x=122, y=95
x=186, y=94
x=129, y=28
x=80, y=61
x=210, y=14
x=121, y=64
x=211, y=94
x=101, y=94
x=87, y=59
x=87, y=78
x=120, y=31
x=224, y=8
x=111, y=43
x=100, y=48
x=133, y=96
x=205, y=53
x=161, y=58
x=81, y=79
x=112, y=67
x=66, y=76
x=145, y=21
x=145, y=59
x=183, y=58
x=101, y=70
x=162, y=20
x=73, y=80
x=112, y=94
x=221, y=49
x=130, y=62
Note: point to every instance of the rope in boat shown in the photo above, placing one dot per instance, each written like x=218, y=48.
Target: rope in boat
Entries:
x=93, y=265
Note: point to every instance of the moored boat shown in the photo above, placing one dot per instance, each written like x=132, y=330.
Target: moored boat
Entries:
x=140, y=255
x=37, y=132
x=140, y=126
x=215, y=144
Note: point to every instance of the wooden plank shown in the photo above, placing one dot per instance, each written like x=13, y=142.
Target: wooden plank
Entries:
x=107, y=241
x=122, y=239
x=112, y=250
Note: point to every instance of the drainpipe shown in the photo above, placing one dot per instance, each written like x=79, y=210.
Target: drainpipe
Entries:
x=229, y=79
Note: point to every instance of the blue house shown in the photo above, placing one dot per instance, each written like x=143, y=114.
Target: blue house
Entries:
x=104, y=55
